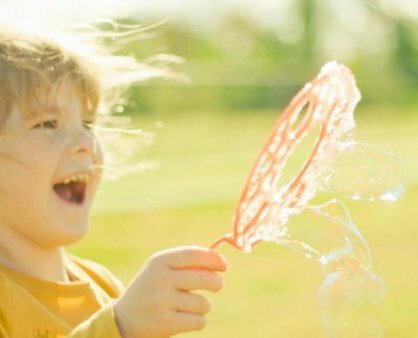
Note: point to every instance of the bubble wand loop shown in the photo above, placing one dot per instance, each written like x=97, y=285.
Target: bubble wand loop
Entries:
x=263, y=208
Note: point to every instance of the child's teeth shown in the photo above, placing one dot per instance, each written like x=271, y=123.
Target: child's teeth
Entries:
x=79, y=177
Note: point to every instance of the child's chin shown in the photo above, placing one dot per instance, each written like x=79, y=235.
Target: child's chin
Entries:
x=75, y=236
x=72, y=240
x=65, y=237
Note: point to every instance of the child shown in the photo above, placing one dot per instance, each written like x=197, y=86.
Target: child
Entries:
x=52, y=91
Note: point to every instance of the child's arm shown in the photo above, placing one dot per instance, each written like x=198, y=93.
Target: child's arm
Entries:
x=160, y=302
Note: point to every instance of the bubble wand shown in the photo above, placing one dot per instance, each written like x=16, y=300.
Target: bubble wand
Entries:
x=351, y=290
x=263, y=209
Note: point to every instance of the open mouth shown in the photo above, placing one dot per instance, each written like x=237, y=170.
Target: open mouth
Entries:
x=73, y=192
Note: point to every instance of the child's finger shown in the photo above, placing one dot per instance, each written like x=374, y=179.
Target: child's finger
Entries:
x=186, y=322
x=192, y=303
x=187, y=280
x=195, y=257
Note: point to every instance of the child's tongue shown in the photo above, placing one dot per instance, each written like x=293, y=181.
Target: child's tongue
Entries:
x=71, y=192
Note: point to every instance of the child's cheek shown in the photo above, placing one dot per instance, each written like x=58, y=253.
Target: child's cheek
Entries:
x=53, y=143
x=98, y=155
x=98, y=161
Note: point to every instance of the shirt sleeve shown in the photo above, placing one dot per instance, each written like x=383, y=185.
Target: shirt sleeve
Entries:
x=102, y=324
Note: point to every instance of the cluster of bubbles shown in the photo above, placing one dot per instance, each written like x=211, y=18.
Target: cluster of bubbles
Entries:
x=349, y=297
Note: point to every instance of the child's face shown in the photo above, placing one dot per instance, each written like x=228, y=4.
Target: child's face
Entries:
x=34, y=161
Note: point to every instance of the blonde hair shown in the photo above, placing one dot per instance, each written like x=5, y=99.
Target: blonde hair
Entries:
x=34, y=60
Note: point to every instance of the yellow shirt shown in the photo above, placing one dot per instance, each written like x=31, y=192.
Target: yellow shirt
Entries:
x=82, y=308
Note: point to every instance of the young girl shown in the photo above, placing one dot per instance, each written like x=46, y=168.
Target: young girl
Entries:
x=53, y=89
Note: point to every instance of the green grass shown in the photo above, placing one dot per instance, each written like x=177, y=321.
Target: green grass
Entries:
x=189, y=198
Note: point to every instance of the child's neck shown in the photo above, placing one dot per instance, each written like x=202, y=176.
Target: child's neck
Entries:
x=35, y=261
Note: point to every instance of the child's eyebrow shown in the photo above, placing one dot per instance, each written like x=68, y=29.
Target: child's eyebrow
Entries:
x=55, y=111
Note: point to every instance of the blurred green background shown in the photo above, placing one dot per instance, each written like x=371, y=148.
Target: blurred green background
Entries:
x=245, y=62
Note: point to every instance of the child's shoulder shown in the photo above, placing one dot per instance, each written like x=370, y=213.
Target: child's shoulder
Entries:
x=96, y=271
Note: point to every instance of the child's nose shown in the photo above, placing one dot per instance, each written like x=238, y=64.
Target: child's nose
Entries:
x=82, y=142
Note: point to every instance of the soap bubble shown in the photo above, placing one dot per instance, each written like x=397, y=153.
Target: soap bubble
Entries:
x=349, y=296
x=348, y=301
x=366, y=172
x=326, y=233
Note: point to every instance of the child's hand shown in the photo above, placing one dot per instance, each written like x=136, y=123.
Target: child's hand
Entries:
x=159, y=302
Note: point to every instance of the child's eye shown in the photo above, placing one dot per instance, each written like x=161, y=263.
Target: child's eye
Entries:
x=88, y=125
x=48, y=124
